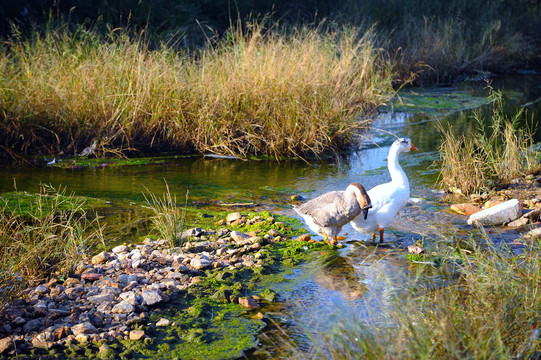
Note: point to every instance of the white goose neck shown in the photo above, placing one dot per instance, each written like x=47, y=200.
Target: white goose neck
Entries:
x=398, y=175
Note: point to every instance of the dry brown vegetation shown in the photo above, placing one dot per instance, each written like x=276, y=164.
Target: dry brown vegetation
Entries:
x=258, y=92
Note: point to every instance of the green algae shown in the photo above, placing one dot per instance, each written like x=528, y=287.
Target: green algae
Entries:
x=434, y=102
x=206, y=320
x=82, y=162
x=48, y=200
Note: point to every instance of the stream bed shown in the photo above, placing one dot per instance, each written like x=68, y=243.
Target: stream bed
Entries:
x=359, y=282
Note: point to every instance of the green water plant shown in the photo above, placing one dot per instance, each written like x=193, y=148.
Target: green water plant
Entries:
x=490, y=156
x=49, y=237
x=168, y=217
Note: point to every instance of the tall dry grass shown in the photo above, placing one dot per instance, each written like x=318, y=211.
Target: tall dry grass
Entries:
x=50, y=235
x=257, y=91
x=491, y=156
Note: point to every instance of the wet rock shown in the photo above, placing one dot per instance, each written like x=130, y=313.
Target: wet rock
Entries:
x=150, y=298
x=100, y=258
x=304, y=237
x=83, y=328
x=465, y=209
x=497, y=215
x=123, y=307
x=120, y=249
x=137, y=334
x=248, y=302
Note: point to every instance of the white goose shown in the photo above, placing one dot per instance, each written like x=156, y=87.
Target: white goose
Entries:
x=389, y=198
x=327, y=213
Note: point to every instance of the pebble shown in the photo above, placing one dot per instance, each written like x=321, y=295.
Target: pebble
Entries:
x=100, y=258
x=137, y=334
x=120, y=249
x=163, y=322
x=248, y=302
x=150, y=298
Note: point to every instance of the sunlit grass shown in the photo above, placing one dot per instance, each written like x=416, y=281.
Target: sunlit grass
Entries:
x=491, y=156
x=255, y=92
x=49, y=238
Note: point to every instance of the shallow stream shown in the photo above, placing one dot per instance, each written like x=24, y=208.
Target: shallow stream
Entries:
x=361, y=281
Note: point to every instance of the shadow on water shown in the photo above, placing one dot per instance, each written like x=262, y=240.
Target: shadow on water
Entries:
x=360, y=280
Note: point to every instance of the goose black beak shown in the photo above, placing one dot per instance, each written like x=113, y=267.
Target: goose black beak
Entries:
x=365, y=210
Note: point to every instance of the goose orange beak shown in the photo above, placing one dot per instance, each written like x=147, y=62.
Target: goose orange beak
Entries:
x=413, y=148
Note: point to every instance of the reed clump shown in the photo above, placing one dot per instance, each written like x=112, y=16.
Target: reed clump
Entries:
x=491, y=156
x=255, y=92
x=487, y=308
x=48, y=237
x=168, y=217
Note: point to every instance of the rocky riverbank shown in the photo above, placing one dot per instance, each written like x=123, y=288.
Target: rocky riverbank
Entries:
x=118, y=295
x=517, y=206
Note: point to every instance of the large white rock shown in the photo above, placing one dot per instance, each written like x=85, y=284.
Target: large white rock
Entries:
x=497, y=215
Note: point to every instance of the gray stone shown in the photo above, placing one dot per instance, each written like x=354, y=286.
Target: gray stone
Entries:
x=237, y=235
x=83, y=328
x=497, y=215
x=32, y=325
x=150, y=298
x=163, y=322
x=199, y=264
x=19, y=321
x=41, y=290
x=193, y=232
x=231, y=217
x=123, y=307
x=120, y=249
x=137, y=334
x=100, y=258
x=101, y=299
x=534, y=233
x=129, y=297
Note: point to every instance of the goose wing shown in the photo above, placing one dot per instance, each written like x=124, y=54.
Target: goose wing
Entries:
x=330, y=209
